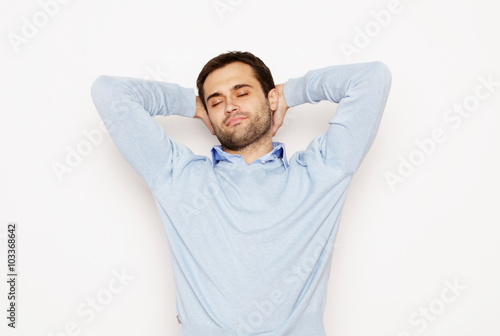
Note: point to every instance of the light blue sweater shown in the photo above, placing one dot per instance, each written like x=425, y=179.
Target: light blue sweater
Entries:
x=250, y=244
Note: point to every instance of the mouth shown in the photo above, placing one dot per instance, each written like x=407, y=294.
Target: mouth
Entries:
x=235, y=120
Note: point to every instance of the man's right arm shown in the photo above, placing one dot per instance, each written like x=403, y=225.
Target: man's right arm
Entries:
x=127, y=107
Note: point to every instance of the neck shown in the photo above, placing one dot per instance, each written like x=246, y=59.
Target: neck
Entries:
x=255, y=150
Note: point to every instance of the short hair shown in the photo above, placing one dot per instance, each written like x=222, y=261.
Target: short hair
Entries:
x=260, y=70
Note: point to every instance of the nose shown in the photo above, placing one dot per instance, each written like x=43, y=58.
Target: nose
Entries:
x=231, y=106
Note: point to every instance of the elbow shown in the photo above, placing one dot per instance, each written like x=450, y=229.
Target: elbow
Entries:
x=102, y=95
x=380, y=72
x=101, y=87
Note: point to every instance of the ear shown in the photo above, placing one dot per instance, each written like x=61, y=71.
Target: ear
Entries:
x=273, y=99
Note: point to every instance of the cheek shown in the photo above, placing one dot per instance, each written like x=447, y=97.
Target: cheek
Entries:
x=215, y=117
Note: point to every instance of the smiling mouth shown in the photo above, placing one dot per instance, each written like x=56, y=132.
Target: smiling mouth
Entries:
x=235, y=120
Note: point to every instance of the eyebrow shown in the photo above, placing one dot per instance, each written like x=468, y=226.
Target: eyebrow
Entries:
x=234, y=88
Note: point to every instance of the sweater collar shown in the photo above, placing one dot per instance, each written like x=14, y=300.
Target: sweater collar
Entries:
x=277, y=153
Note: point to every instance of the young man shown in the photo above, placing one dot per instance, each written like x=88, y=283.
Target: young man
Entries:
x=250, y=234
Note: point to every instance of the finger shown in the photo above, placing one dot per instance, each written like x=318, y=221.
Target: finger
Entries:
x=275, y=127
x=209, y=125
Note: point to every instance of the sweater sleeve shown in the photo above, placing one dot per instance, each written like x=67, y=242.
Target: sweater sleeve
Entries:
x=127, y=107
x=361, y=91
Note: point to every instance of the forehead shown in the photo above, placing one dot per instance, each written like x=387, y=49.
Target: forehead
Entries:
x=228, y=76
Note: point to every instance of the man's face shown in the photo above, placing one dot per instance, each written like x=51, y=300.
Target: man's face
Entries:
x=237, y=107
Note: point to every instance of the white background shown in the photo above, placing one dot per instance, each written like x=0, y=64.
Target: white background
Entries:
x=396, y=247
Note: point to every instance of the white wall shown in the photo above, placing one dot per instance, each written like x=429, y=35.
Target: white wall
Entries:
x=399, y=246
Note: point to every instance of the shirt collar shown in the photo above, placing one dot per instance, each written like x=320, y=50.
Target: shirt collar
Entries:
x=277, y=153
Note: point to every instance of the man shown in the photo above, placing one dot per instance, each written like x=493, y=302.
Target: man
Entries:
x=250, y=233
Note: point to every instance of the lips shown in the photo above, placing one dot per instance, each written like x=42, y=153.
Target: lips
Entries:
x=235, y=120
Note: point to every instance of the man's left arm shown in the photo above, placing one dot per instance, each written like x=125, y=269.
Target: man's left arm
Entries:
x=361, y=91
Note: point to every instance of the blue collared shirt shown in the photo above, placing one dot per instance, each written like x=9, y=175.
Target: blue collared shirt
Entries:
x=278, y=153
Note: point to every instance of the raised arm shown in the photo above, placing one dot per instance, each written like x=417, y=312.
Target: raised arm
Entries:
x=361, y=92
x=127, y=107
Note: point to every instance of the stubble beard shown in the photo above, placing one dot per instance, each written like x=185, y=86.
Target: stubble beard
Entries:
x=257, y=125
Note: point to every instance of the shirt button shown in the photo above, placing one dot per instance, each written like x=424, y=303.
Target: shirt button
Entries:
x=262, y=161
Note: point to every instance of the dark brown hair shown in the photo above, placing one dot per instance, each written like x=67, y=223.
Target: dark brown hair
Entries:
x=261, y=71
